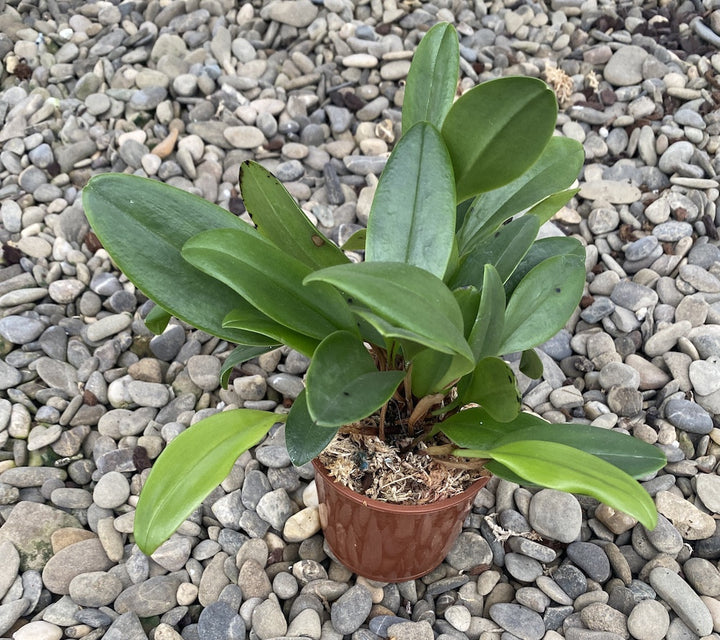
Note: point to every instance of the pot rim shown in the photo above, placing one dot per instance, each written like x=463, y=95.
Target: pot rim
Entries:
x=391, y=507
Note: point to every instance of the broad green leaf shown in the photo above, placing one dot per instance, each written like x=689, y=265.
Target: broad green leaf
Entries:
x=253, y=320
x=237, y=357
x=635, y=457
x=476, y=429
x=270, y=280
x=157, y=319
x=493, y=386
x=143, y=225
x=304, y=438
x=542, y=250
x=191, y=466
x=356, y=242
x=504, y=249
x=542, y=302
x=406, y=297
x=433, y=371
x=279, y=218
x=343, y=383
x=412, y=218
x=558, y=466
x=531, y=365
x=468, y=299
x=486, y=335
x=556, y=169
x=432, y=80
x=548, y=207
x=497, y=130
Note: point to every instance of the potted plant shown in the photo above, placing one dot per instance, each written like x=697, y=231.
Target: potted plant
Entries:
x=406, y=345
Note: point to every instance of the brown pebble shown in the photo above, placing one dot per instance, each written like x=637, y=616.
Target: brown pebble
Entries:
x=164, y=148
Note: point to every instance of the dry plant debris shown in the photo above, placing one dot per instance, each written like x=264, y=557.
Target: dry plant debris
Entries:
x=561, y=83
x=387, y=472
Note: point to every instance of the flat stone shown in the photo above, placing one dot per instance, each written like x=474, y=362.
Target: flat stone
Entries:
x=707, y=486
x=648, y=620
x=610, y=191
x=81, y=557
x=692, y=523
x=296, y=13
x=218, y=621
x=625, y=66
x=688, y=416
x=9, y=567
x=470, y=550
x=126, y=627
x=683, y=600
x=591, y=558
x=95, y=589
x=29, y=527
x=555, y=515
x=518, y=620
x=351, y=609
x=153, y=597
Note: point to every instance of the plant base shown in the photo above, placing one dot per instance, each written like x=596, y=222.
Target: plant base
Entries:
x=389, y=542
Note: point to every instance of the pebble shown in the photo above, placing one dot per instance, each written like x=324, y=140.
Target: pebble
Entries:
x=555, y=515
x=684, y=602
x=648, y=620
x=518, y=620
x=351, y=609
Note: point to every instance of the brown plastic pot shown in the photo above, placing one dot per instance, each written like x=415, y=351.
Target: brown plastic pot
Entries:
x=389, y=542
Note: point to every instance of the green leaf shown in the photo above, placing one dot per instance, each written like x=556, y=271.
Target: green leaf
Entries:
x=143, y=225
x=558, y=466
x=496, y=131
x=504, y=249
x=468, y=299
x=191, y=466
x=253, y=320
x=237, y=357
x=356, y=242
x=343, y=382
x=486, y=335
x=412, y=219
x=542, y=250
x=493, y=386
x=404, y=296
x=270, y=280
x=548, y=207
x=432, y=79
x=633, y=456
x=542, y=302
x=476, y=429
x=304, y=438
x=556, y=169
x=157, y=319
x=279, y=218
x=433, y=371
x=531, y=365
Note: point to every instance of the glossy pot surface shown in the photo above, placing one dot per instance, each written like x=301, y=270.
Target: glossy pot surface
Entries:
x=389, y=542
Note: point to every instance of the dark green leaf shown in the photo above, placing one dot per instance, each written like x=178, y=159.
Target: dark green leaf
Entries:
x=504, y=249
x=496, y=131
x=558, y=466
x=486, y=335
x=254, y=320
x=468, y=299
x=237, y=357
x=343, y=382
x=432, y=80
x=270, y=279
x=493, y=386
x=157, y=319
x=356, y=242
x=556, y=169
x=635, y=457
x=542, y=302
x=143, y=225
x=191, y=466
x=433, y=372
x=412, y=219
x=406, y=297
x=280, y=219
x=542, y=250
x=531, y=365
x=304, y=438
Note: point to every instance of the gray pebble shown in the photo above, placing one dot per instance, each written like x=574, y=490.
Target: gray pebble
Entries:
x=351, y=609
x=518, y=620
x=591, y=558
x=683, y=600
x=688, y=416
x=555, y=515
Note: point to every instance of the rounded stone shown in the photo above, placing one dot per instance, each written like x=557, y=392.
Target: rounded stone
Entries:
x=555, y=515
x=648, y=620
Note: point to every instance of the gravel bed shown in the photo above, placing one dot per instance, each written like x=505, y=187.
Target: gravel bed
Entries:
x=185, y=90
